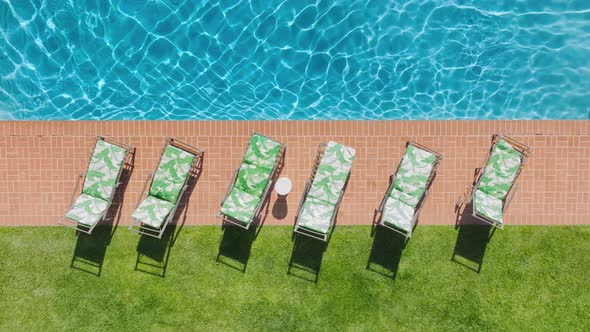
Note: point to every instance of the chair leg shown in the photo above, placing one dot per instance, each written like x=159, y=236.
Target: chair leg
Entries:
x=406, y=241
x=374, y=224
x=492, y=234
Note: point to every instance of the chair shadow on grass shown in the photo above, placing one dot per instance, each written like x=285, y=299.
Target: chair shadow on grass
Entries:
x=236, y=243
x=153, y=254
x=472, y=239
x=386, y=250
x=306, y=257
x=90, y=249
x=235, y=247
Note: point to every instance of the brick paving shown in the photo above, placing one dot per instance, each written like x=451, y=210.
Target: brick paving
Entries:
x=39, y=162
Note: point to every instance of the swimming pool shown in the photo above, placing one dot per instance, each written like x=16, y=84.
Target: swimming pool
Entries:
x=294, y=60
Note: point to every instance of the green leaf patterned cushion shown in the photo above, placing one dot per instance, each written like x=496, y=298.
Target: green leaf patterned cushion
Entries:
x=87, y=210
x=253, y=179
x=105, y=164
x=398, y=215
x=489, y=206
x=171, y=174
x=240, y=205
x=262, y=151
x=409, y=199
x=153, y=211
x=412, y=175
x=500, y=171
x=316, y=215
x=332, y=172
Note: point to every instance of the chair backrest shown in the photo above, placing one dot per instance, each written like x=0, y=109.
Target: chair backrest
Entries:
x=104, y=168
x=262, y=151
x=332, y=172
x=414, y=174
x=503, y=166
x=258, y=164
x=172, y=172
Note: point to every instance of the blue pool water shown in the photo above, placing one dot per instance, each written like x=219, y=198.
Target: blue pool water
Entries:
x=294, y=59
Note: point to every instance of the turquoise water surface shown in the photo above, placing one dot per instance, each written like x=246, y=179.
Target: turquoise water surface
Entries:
x=263, y=59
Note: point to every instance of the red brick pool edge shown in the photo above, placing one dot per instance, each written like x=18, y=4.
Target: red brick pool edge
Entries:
x=39, y=162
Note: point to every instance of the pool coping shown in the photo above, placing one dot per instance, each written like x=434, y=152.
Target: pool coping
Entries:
x=40, y=159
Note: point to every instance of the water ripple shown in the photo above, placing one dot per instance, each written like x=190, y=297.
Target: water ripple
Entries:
x=183, y=59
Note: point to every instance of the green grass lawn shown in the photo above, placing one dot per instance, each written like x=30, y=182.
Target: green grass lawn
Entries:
x=531, y=278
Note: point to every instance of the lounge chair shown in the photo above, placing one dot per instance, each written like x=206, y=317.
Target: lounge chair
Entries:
x=100, y=184
x=408, y=189
x=324, y=191
x=251, y=182
x=494, y=188
x=153, y=213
